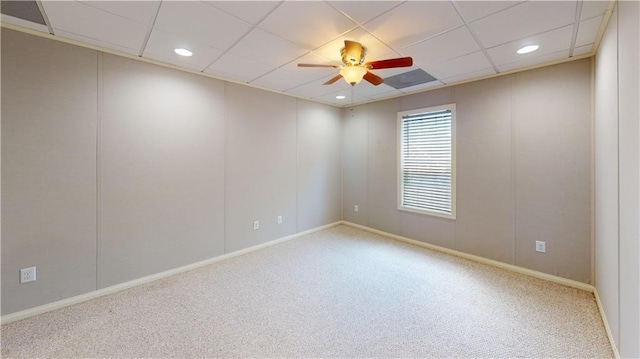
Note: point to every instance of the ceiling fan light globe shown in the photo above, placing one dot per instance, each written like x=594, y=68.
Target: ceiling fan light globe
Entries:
x=353, y=74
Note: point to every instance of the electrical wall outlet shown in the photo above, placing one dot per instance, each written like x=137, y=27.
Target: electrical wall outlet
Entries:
x=27, y=275
x=256, y=224
x=356, y=208
x=541, y=246
x=279, y=219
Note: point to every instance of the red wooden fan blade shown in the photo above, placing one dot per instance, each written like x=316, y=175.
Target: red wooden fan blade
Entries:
x=390, y=63
x=318, y=65
x=338, y=77
x=373, y=79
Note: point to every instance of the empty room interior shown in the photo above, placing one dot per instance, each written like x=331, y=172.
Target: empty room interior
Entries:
x=320, y=179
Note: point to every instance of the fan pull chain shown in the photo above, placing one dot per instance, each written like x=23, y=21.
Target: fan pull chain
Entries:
x=352, y=91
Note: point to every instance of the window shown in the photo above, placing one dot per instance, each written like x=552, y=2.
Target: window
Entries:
x=426, y=163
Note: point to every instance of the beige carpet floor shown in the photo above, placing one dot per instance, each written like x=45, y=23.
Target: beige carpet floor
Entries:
x=341, y=292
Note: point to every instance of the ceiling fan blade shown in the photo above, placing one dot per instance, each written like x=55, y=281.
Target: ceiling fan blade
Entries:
x=319, y=65
x=390, y=63
x=375, y=80
x=336, y=78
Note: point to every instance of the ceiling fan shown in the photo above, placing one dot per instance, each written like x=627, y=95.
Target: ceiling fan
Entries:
x=355, y=69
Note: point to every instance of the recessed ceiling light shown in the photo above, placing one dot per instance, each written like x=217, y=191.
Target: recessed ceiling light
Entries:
x=340, y=97
x=183, y=52
x=527, y=49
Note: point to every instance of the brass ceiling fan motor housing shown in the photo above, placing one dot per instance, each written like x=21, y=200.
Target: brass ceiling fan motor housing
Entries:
x=353, y=54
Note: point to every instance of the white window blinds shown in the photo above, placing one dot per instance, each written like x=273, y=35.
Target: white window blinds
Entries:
x=426, y=175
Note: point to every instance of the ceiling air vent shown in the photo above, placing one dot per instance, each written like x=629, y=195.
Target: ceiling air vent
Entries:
x=25, y=10
x=408, y=79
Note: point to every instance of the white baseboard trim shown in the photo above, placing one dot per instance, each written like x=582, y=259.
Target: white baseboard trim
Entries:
x=616, y=353
x=491, y=262
x=27, y=313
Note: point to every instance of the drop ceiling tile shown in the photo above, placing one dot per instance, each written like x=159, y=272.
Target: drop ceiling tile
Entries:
x=413, y=21
x=309, y=24
x=376, y=50
x=447, y=46
x=524, y=20
x=592, y=8
x=24, y=23
x=384, y=95
x=365, y=89
x=249, y=11
x=349, y=97
x=474, y=10
x=311, y=73
x=316, y=88
x=421, y=87
x=363, y=11
x=281, y=80
x=267, y=48
x=588, y=30
x=582, y=50
x=141, y=12
x=549, y=42
x=98, y=43
x=161, y=47
x=460, y=65
x=95, y=26
x=238, y=68
x=469, y=76
x=534, y=61
x=200, y=22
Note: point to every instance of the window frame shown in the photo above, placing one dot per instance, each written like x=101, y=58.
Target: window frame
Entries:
x=399, y=177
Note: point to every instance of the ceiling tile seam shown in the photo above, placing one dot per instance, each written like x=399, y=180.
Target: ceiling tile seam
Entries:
x=287, y=63
x=88, y=3
x=532, y=35
x=463, y=74
x=532, y=58
x=361, y=25
x=497, y=12
x=304, y=84
x=454, y=58
x=293, y=60
x=224, y=52
x=428, y=66
x=342, y=13
x=45, y=17
x=368, y=21
x=476, y=38
x=302, y=46
x=381, y=41
x=593, y=17
x=576, y=27
x=277, y=67
x=212, y=4
x=305, y=54
x=150, y=26
x=310, y=49
x=133, y=51
x=253, y=26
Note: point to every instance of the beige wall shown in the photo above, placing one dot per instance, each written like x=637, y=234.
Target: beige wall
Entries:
x=49, y=123
x=161, y=194
x=114, y=169
x=523, y=169
x=606, y=175
x=617, y=168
